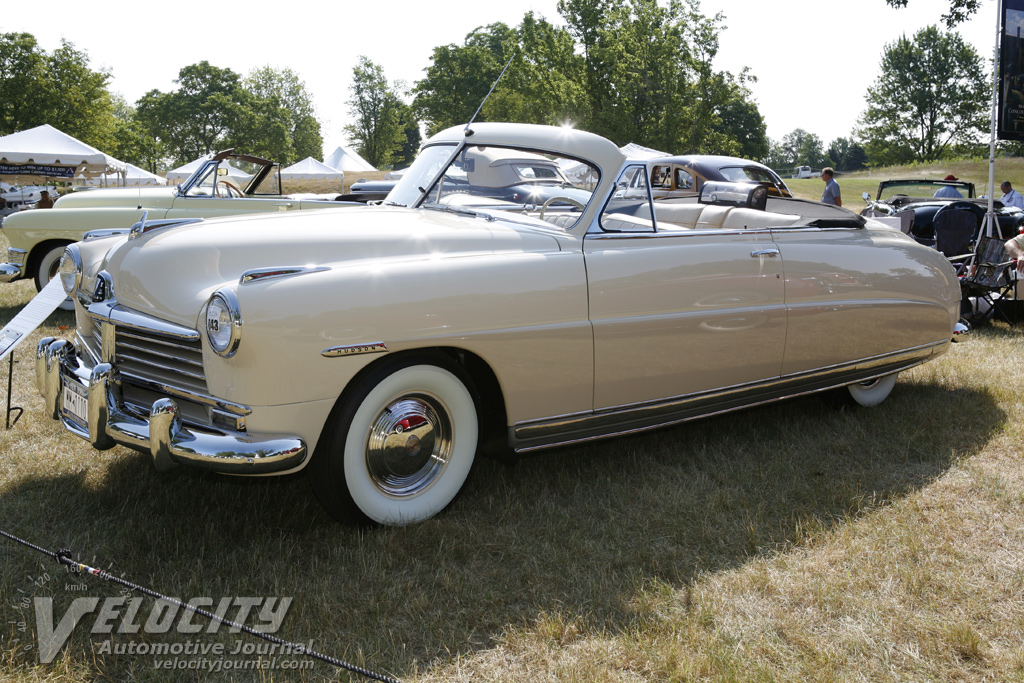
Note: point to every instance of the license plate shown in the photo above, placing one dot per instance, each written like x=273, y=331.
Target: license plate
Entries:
x=75, y=402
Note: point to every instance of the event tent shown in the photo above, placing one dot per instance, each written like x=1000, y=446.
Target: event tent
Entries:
x=44, y=153
x=311, y=169
x=345, y=159
x=182, y=172
x=133, y=176
x=635, y=151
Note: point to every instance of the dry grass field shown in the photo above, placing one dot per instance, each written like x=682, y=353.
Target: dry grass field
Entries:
x=804, y=541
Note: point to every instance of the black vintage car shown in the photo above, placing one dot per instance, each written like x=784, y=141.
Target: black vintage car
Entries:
x=924, y=199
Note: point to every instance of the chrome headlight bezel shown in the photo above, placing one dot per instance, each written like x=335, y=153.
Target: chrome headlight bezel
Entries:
x=223, y=322
x=70, y=269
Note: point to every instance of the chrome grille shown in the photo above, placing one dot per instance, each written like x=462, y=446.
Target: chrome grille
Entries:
x=154, y=357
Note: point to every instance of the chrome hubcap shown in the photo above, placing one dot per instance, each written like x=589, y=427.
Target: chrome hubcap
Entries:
x=409, y=444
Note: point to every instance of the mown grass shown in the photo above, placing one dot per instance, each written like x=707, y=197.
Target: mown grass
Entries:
x=801, y=541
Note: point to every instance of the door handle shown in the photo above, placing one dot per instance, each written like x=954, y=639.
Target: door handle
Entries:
x=764, y=252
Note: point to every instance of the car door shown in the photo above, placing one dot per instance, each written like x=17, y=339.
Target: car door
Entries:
x=679, y=311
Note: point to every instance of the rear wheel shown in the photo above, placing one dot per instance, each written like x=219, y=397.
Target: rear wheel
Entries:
x=47, y=270
x=874, y=391
x=368, y=466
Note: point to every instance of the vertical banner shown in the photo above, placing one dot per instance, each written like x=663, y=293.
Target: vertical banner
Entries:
x=1011, y=72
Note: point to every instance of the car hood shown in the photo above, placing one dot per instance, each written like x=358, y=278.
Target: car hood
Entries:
x=171, y=272
x=146, y=197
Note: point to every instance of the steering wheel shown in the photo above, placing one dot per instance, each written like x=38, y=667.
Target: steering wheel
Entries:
x=559, y=198
x=226, y=188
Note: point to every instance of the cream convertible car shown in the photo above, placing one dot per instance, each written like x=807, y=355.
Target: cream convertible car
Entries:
x=383, y=347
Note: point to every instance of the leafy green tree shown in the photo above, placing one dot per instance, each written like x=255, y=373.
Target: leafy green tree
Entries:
x=131, y=140
x=930, y=97
x=411, y=129
x=959, y=10
x=378, y=132
x=201, y=115
x=57, y=88
x=847, y=155
x=745, y=132
x=804, y=149
x=281, y=122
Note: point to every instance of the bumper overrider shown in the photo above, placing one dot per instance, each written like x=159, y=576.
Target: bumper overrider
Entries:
x=14, y=269
x=63, y=377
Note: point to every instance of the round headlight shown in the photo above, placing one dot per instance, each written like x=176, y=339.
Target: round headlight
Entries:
x=223, y=323
x=70, y=269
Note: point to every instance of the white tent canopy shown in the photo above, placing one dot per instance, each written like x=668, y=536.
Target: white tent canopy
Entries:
x=182, y=172
x=45, y=153
x=345, y=159
x=635, y=151
x=311, y=169
x=133, y=176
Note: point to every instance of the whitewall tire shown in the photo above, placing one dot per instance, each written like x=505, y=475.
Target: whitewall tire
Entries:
x=399, y=446
x=873, y=392
x=47, y=270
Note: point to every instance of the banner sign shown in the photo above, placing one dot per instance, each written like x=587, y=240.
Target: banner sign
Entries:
x=38, y=169
x=1011, y=72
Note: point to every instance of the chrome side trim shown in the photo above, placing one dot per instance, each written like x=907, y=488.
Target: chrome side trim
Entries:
x=582, y=427
x=258, y=274
x=354, y=350
x=16, y=257
x=195, y=397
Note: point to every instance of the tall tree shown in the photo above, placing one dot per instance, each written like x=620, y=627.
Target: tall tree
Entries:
x=847, y=155
x=930, y=97
x=378, y=132
x=132, y=142
x=959, y=10
x=804, y=149
x=281, y=123
x=201, y=115
x=57, y=88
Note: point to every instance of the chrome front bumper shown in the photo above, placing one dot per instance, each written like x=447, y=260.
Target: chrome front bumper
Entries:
x=14, y=269
x=161, y=433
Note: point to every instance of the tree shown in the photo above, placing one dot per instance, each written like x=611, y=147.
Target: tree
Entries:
x=847, y=155
x=378, y=133
x=201, y=116
x=281, y=123
x=742, y=124
x=959, y=10
x=59, y=89
x=132, y=142
x=801, y=148
x=930, y=97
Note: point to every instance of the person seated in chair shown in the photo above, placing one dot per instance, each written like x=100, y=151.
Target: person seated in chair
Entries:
x=949, y=190
x=1010, y=196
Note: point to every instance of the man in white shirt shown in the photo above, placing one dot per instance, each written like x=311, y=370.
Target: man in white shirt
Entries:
x=1010, y=196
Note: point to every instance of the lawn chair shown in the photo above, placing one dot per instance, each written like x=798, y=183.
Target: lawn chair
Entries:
x=955, y=232
x=992, y=276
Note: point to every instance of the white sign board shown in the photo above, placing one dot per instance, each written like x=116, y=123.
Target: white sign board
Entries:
x=32, y=316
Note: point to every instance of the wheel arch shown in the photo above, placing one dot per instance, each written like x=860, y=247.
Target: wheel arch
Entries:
x=35, y=255
x=480, y=379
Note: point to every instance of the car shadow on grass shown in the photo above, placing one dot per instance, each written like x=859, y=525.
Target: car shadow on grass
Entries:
x=578, y=532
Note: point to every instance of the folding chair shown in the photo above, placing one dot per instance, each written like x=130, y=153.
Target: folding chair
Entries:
x=955, y=232
x=992, y=276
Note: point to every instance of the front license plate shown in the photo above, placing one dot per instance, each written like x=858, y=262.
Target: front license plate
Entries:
x=75, y=402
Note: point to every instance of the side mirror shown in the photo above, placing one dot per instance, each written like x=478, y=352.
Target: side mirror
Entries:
x=866, y=197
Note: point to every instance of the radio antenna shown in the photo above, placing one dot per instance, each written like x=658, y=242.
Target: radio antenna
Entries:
x=493, y=86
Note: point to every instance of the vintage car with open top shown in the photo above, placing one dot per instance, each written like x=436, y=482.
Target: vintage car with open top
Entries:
x=37, y=238
x=383, y=347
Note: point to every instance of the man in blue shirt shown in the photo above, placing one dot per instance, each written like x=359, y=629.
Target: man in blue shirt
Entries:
x=949, y=190
x=1010, y=196
x=831, y=193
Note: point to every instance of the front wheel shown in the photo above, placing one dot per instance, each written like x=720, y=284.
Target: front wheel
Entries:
x=369, y=466
x=873, y=392
x=47, y=270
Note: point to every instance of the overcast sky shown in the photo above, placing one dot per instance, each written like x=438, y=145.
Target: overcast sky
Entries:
x=814, y=59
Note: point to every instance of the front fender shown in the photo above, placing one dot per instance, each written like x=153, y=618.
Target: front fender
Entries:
x=27, y=229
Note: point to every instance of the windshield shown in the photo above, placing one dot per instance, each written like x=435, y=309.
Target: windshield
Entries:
x=535, y=186
x=231, y=177
x=925, y=188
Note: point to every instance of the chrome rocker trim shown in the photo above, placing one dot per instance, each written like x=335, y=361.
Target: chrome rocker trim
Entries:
x=583, y=427
x=162, y=433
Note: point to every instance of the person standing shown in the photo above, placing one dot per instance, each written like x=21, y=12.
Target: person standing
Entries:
x=44, y=201
x=1010, y=196
x=949, y=190
x=831, y=194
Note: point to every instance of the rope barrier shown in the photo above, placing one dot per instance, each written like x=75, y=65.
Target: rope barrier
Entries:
x=63, y=556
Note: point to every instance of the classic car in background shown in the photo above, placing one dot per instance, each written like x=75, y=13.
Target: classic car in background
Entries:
x=684, y=176
x=451, y=319
x=365, y=191
x=914, y=202
x=37, y=238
